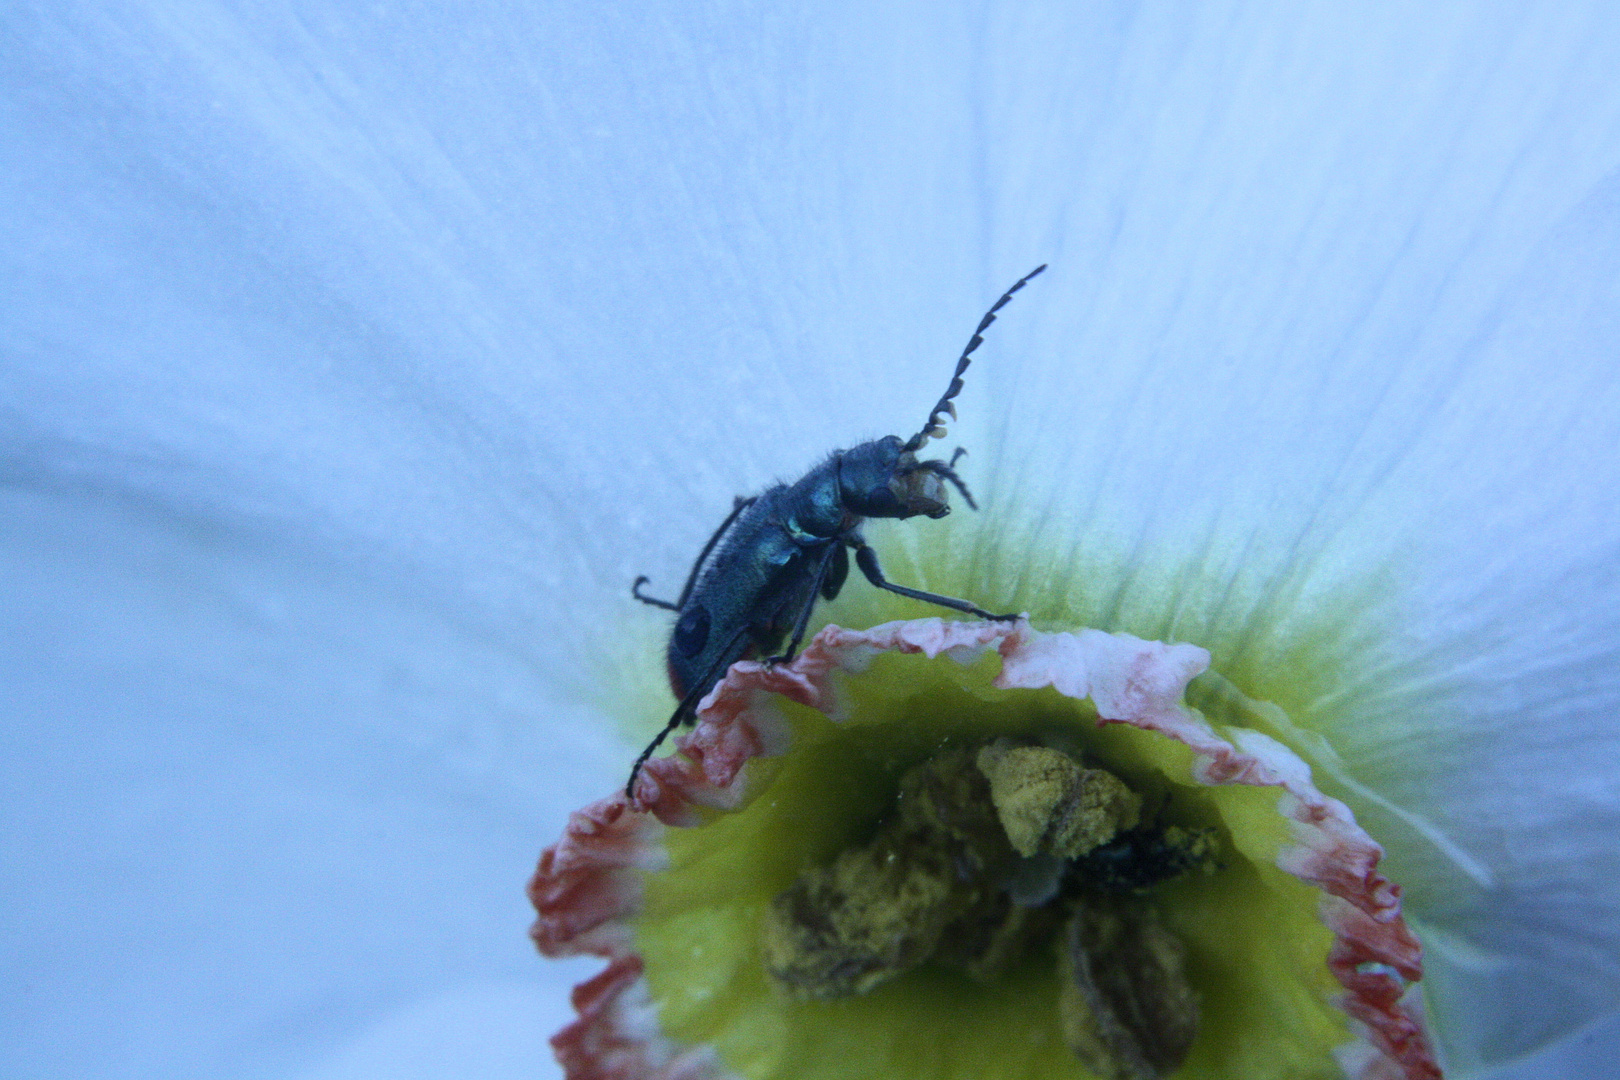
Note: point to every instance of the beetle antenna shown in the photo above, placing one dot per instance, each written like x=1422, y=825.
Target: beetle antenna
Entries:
x=934, y=429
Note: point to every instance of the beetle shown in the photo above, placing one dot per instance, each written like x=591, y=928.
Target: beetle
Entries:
x=758, y=577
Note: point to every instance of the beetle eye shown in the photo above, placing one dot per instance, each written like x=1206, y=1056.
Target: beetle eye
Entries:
x=880, y=499
x=692, y=632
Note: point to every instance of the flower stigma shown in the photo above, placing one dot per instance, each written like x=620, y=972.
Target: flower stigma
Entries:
x=953, y=850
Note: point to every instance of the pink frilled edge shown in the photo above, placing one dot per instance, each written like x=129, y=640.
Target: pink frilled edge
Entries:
x=587, y=887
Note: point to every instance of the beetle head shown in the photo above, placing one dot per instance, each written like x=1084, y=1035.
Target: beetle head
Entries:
x=884, y=479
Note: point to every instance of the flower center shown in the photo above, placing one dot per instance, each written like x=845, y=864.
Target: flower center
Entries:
x=938, y=881
x=992, y=854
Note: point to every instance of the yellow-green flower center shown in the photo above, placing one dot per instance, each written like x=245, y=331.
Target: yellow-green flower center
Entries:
x=1254, y=948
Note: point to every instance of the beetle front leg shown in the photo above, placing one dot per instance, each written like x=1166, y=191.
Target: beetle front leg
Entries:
x=866, y=559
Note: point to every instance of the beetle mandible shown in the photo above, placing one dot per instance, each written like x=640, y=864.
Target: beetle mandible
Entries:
x=759, y=575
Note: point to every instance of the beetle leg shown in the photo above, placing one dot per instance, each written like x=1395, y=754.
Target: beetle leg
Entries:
x=829, y=560
x=687, y=704
x=738, y=505
x=834, y=580
x=867, y=560
x=687, y=709
x=635, y=591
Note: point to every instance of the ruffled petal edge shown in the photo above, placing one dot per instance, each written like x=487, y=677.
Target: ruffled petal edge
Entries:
x=587, y=889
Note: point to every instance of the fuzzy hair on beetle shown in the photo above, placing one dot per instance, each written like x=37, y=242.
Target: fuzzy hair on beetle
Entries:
x=757, y=579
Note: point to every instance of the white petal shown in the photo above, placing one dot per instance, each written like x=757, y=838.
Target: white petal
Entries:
x=436, y=327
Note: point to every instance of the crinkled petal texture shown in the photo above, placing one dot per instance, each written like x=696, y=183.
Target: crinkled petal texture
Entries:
x=1296, y=943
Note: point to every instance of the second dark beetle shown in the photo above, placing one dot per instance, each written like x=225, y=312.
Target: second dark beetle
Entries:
x=758, y=577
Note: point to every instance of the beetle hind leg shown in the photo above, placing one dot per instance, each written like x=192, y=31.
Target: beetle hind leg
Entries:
x=683, y=714
x=686, y=711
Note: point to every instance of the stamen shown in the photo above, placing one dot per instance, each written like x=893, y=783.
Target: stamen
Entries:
x=991, y=855
x=1128, y=1010
x=1048, y=803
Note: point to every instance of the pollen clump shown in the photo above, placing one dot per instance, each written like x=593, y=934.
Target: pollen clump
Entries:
x=844, y=929
x=1048, y=803
x=989, y=856
x=883, y=907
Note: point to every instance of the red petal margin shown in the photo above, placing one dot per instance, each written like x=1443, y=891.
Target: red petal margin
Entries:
x=587, y=888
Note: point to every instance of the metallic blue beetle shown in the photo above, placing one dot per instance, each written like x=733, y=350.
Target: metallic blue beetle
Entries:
x=758, y=577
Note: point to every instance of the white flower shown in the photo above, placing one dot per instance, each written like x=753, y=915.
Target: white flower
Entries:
x=356, y=359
